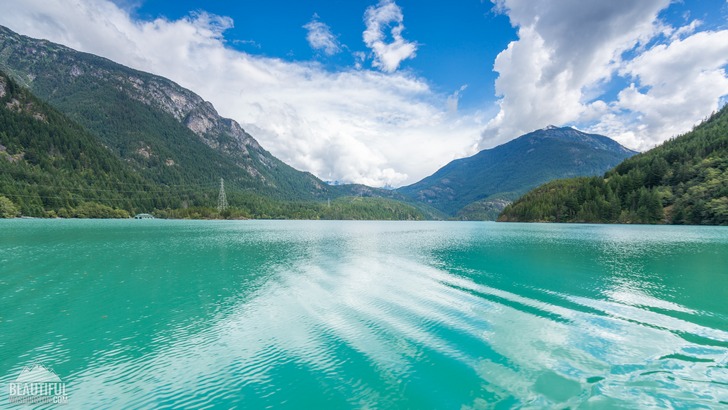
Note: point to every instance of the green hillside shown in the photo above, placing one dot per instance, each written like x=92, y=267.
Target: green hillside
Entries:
x=48, y=162
x=683, y=181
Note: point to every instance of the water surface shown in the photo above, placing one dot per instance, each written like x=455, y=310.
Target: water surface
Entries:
x=256, y=314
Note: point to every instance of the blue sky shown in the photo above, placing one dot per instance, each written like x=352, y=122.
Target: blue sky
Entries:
x=384, y=92
x=455, y=45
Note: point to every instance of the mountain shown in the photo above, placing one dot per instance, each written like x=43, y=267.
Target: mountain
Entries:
x=164, y=144
x=480, y=186
x=166, y=132
x=683, y=181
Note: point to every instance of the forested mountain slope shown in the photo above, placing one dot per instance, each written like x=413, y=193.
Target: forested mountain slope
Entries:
x=683, y=181
x=48, y=162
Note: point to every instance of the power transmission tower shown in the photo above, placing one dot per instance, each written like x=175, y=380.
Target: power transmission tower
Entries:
x=222, y=199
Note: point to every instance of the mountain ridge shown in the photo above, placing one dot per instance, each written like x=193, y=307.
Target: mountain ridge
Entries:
x=160, y=125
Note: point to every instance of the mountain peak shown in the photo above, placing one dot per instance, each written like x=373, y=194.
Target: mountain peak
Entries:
x=484, y=182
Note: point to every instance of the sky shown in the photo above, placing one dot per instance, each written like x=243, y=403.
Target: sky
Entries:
x=385, y=92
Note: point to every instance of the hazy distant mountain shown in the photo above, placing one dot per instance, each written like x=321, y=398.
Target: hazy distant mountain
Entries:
x=479, y=187
x=683, y=181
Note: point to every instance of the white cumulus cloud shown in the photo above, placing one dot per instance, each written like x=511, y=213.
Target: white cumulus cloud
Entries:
x=674, y=86
x=568, y=52
x=388, y=52
x=354, y=125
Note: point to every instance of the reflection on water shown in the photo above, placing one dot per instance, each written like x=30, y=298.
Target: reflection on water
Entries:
x=368, y=314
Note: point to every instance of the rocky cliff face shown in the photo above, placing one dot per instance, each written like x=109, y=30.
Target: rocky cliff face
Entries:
x=189, y=109
x=184, y=105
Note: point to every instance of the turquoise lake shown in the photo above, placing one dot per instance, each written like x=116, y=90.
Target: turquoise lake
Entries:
x=386, y=315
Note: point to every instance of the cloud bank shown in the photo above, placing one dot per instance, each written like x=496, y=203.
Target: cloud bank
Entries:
x=355, y=125
x=569, y=52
